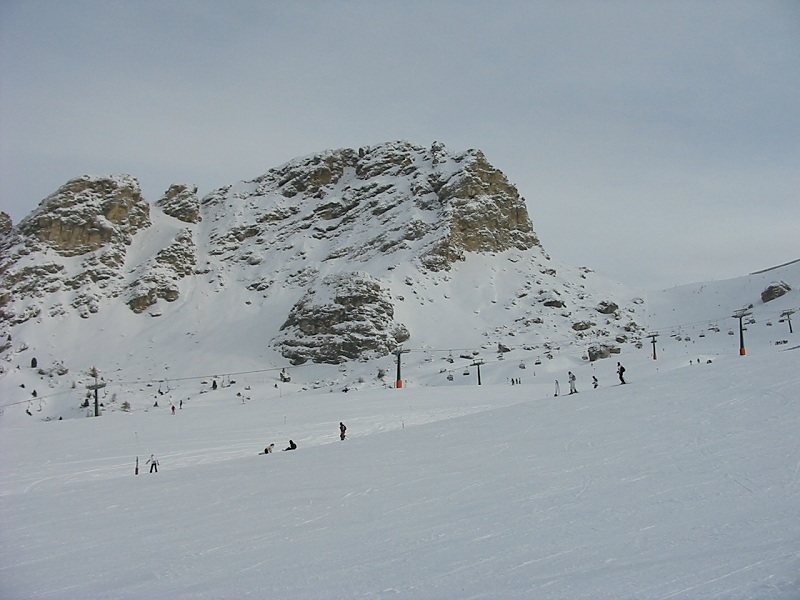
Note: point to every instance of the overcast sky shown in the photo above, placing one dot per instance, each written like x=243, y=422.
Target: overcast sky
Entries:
x=655, y=142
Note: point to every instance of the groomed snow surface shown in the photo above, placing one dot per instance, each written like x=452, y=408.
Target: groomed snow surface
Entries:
x=683, y=484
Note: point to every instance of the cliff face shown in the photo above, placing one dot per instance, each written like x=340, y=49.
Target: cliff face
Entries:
x=88, y=213
x=71, y=252
x=425, y=205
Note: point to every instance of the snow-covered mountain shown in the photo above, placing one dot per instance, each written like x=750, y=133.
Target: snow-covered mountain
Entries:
x=253, y=310
x=339, y=256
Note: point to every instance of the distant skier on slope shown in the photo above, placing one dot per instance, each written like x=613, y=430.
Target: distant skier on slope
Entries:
x=572, y=379
x=621, y=372
x=153, y=462
x=595, y=383
x=558, y=391
x=292, y=446
x=342, y=431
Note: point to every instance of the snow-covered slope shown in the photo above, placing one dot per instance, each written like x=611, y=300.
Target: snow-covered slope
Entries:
x=682, y=484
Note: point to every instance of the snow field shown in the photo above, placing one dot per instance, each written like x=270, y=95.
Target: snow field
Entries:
x=683, y=484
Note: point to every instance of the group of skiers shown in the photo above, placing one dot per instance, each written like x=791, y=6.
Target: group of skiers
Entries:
x=292, y=446
x=595, y=383
x=153, y=461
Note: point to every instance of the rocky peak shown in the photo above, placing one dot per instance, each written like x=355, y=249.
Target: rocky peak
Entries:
x=426, y=205
x=5, y=224
x=88, y=212
x=180, y=201
x=484, y=213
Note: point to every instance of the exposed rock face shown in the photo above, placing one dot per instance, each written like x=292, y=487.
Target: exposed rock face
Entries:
x=483, y=211
x=425, y=205
x=346, y=316
x=550, y=298
x=599, y=351
x=87, y=213
x=775, y=290
x=159, y=277
x=94, y=218
x=5, y=224
x=606, y=307
x=180, y=201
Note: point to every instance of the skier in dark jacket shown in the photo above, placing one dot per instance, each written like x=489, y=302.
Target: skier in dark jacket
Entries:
x=342, y=430
x=292, y=446
x=621, y=373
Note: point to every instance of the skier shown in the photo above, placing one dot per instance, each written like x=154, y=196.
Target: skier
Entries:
x=153, y=462
x=572, y=379
x=558, y=391
x=292, y=446
x=595, y=383
x=269, y=449
x=621, y=373
x=342, y=430
x=173, y=409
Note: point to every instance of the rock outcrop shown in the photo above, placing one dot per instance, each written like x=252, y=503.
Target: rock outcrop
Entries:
x=159, y=277
x=775, y=290
x=5, y=224
x=346, y=316
x=181, y=201
x=87, y=213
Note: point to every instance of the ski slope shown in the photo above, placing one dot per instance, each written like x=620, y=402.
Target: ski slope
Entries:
x=682, y=484
x=685, y=483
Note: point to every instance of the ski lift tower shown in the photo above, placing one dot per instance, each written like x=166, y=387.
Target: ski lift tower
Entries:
x=653, y=337
x=788, y=315
x=398, y=352
x=96, y=386
x=741, y=314
x=478, y=364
